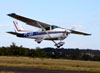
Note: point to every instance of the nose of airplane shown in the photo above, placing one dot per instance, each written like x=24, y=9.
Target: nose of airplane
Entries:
x=67, y=31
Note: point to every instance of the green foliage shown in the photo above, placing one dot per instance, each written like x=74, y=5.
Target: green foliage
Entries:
x=74, y=54
x=14, y=50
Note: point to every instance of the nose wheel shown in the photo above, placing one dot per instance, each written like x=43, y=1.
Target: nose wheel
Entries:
x=58, y=45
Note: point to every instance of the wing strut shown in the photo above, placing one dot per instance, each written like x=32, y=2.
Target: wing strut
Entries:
x=58, y=45
x=45, y=31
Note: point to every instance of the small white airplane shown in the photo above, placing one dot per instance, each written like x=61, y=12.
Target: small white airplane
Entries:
x=48, y=32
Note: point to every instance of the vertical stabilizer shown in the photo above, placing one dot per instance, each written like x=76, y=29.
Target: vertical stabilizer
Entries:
x=18, y=29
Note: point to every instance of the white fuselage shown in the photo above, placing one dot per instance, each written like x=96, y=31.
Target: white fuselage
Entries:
x=55, y=34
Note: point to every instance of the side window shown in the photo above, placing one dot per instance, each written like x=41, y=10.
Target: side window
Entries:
x=47, y=28
x=53, y=27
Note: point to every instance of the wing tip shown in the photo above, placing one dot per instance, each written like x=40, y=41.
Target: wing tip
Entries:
x=11, y=14
x=88, y=34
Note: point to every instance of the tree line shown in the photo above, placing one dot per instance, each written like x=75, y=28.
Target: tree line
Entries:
x=63, y=53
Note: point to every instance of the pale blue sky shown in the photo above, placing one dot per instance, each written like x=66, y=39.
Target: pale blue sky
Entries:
x=83, y=15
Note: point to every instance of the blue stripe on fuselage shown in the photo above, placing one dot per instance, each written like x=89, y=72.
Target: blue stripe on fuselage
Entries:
x=38, y=33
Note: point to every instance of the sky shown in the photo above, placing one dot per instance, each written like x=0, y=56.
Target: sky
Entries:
x=82, y=15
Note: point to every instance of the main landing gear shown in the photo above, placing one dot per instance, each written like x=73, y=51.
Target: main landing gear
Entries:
x=38, y=40
x=58, y=45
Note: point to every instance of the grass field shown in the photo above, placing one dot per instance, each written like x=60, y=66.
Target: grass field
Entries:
x=55, y=64
x=6, y=72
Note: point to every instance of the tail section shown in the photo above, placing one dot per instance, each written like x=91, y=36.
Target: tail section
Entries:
x=19, y=29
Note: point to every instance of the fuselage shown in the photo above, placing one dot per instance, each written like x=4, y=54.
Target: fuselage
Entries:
x=55, y=34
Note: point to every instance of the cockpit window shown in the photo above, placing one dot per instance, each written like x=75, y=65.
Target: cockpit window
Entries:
x=53, y=27
x=47, y=28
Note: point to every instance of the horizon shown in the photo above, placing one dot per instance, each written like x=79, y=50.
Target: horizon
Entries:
x=51, y=47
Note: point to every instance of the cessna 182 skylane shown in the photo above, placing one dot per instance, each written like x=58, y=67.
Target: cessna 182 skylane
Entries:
x=48, y=32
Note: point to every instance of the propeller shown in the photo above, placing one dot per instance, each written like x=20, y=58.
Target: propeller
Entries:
x=67, y=32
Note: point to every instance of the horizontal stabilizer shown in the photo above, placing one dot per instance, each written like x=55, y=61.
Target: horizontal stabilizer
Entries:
x=13, y=33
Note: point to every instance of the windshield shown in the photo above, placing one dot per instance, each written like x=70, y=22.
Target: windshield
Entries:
x=53, y=27
x=50, y=28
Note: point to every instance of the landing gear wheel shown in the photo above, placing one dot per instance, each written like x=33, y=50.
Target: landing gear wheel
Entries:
x=58, y=45
x=38, y=40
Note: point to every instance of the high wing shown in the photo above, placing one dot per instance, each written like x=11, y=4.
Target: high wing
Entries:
x=29, y=21
x=78, y=32
x=39, y=24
